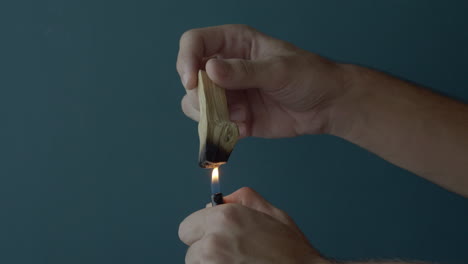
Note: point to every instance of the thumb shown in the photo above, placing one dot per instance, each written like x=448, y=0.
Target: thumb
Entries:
x=241, y=74
x=249, y=198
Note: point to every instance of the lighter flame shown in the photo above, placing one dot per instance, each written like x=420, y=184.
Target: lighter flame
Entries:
x=215, y=175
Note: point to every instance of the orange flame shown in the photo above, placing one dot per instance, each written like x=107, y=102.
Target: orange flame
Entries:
x=215, y=175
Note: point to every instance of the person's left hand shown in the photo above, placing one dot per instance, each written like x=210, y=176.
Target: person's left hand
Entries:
x=247, y=229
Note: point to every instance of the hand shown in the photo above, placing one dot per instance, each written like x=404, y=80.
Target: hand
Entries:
x=274, y=88
x=247, y=229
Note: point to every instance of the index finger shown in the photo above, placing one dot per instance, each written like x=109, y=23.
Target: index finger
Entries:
x=230, y=41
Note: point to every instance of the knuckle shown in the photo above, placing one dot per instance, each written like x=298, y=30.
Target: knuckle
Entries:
x=212, y=247
x=246, y=31
x=189, y=34
x=227, y=214
x=280, y=214
x=211, y=242
x=247, y=192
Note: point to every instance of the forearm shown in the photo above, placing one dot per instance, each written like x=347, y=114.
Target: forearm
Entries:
x=409, y=126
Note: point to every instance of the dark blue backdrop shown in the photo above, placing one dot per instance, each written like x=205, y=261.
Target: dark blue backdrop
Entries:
x=98, y=163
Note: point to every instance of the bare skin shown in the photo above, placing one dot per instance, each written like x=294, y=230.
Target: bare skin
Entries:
x=268, y=80
x=278, y=90
x=247, y=229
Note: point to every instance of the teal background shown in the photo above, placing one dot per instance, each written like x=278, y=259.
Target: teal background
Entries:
x=99, y=165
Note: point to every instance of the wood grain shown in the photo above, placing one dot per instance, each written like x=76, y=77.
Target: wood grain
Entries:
x=218, y=135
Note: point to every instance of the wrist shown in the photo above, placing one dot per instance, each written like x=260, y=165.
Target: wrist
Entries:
x=346, y=111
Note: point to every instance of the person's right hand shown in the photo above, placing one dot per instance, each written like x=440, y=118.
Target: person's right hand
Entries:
x=247, y=229
x=274, y=89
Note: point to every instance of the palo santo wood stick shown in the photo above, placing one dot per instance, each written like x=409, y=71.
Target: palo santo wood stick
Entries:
x=218, y=135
